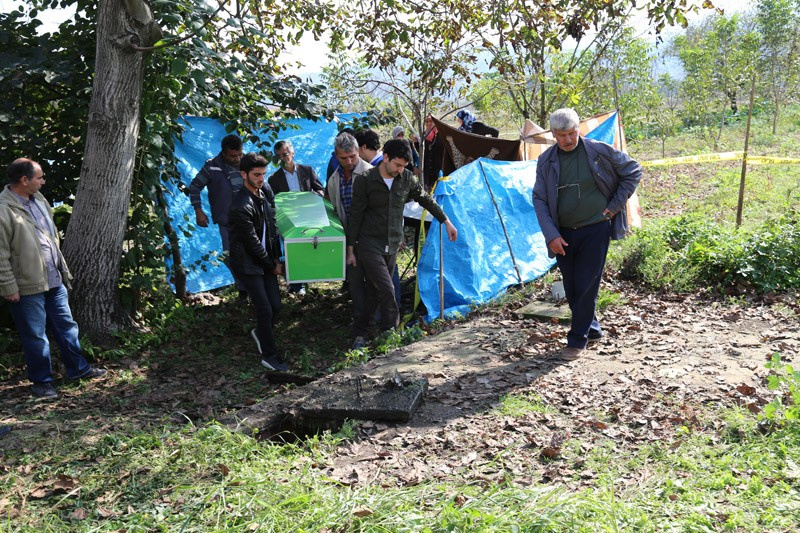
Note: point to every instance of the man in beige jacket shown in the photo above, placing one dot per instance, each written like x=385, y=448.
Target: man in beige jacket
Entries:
x=33, y=276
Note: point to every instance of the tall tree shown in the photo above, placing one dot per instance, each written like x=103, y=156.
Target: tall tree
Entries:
x=779, y=28
x=93, y=243
x=217, y=60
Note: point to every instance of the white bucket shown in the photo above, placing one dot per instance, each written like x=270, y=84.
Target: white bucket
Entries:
x=557, y=291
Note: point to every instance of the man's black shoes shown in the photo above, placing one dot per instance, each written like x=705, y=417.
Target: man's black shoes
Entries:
x=93, y=373
x=44, y=390
x=594, y=335
x=274, y=364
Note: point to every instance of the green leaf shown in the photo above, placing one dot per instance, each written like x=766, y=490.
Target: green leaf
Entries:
x=178, y=67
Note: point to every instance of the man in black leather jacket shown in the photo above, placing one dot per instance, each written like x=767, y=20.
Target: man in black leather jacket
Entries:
x=255, y=253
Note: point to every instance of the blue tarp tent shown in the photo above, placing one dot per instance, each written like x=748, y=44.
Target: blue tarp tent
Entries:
x=313, y=143
x=490, y=203
x=486, y=200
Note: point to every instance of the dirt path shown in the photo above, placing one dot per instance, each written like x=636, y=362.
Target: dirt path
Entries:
x=659, y=360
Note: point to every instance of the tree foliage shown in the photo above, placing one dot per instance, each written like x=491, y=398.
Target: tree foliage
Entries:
x=415, y=51
x=719, y=58
x=526, y=40
x=221, y=60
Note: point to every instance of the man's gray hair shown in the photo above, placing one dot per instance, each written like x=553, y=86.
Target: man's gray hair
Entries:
x=564, y=119
x=345, y=143
x=280, y=144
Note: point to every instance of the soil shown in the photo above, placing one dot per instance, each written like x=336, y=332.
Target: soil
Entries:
x=661, y=358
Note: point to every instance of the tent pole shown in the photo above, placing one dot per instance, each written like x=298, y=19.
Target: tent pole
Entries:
x=441, y=273
x=619, y=119
x=502, y=224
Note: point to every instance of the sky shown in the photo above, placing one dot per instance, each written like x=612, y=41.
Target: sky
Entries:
x=309, y=49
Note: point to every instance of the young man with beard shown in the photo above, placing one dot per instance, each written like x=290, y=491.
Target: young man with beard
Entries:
x=375, y=230
x=255, y=253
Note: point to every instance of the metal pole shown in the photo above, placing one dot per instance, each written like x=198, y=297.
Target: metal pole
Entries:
x=744, y=155
x=441, y=272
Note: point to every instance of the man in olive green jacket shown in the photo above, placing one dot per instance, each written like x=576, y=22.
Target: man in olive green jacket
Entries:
x=375, y=230
x=33, y=276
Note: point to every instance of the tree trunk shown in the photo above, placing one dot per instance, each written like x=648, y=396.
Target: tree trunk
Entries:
x=93, y=243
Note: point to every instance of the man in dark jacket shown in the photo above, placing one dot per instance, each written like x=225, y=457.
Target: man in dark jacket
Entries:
x=221, y=176
x=255, y=252
x=375, y=230
x=580, y=193
x=293, y=176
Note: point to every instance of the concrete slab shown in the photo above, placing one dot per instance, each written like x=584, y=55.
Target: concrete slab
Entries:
x=547, y=311
x=364, y=399
x=326, y=403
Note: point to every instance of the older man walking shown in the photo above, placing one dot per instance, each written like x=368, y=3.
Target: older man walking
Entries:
x=33, y=276
x=581, y=189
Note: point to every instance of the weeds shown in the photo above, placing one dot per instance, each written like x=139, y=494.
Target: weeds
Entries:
x=785, y=380
x=690, y=252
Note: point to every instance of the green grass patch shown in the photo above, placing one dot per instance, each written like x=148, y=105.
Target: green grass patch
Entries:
x=520, y=405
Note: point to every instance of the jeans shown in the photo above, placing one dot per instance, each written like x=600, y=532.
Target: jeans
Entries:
x=582, y=268
x=265, y=295
x=33, y=315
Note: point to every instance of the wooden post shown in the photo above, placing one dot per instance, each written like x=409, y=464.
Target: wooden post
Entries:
x=744, y=155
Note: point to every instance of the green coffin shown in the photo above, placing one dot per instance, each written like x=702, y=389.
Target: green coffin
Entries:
x=313, y=237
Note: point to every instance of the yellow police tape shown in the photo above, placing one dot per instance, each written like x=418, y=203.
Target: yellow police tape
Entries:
x=723, y=156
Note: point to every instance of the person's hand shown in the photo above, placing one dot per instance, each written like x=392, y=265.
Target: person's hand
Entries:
x=202, y=219
x=13, y=298
x=278, y=270
x=351, y=257
x=452, y=232
x=557, y=246
x=403, y=245
x=608, y=214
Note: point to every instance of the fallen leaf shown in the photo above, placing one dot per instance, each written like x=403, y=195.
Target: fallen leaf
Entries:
x=747, y=390
x=551, y=452
x=65, y=483
x=223, y=469
x=79, y=514
x=106, y=513
x=361, y=513
x=40, y=492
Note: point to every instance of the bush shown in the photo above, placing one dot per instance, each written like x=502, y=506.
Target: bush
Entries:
x=692, y=251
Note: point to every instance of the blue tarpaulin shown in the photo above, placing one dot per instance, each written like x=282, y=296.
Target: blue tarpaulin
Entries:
x=313, y=144
x=478, y=266
x=480, y=199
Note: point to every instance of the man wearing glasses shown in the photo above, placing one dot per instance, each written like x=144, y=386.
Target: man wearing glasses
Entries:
x=579, y=196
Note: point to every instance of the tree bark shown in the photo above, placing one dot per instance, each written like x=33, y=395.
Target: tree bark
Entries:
x=94, y=239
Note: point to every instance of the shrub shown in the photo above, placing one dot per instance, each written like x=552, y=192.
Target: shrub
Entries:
x=692, y=251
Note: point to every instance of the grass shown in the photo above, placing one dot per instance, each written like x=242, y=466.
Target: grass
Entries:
x=518, y=405
x=148, y=454
x=204, y=478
